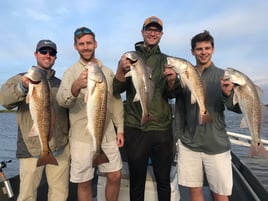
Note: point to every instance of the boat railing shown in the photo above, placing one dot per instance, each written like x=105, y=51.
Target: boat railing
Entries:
x=244, y=140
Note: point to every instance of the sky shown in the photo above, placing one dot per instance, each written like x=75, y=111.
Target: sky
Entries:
x=239, y=28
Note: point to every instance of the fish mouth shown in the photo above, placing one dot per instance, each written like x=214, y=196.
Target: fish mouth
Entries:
x=131, y=57
x=34, y=74
x=226, y=77
x=33, y=79
x=132, y=60
x=169, y=65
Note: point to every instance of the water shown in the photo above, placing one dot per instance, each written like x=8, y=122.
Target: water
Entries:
x=8, y=134
x=233, y=124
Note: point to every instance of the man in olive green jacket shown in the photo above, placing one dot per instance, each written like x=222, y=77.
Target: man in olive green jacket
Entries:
x=152, y=140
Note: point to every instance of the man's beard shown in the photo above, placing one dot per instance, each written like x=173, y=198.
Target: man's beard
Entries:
x=92, y=56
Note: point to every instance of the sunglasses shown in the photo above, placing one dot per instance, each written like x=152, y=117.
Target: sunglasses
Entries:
x=82, y=31
x=51, y=53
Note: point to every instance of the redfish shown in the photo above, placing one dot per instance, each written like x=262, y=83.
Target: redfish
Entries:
x=191, y=78
x=96, y=99
x=143, y=83
x=39, y=99
x=248, y=96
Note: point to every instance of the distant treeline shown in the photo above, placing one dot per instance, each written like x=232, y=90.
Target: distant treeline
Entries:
x=7, y=111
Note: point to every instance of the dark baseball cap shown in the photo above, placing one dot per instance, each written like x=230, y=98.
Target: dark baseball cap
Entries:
x=46, y=43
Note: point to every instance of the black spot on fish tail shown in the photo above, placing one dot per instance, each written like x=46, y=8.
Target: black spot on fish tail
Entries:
x=258, y=150
x=205, y=118
x=146, y=119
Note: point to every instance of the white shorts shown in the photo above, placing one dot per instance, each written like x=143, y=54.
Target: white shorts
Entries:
x=82, y=156
x=217, y=167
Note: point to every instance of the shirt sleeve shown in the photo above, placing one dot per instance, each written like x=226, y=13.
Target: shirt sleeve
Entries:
x=12, y=92
x=64, y=95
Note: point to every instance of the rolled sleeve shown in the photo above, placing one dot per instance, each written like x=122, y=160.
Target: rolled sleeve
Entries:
x=64, y=95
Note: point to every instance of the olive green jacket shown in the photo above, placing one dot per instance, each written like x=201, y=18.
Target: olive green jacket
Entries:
x=159, y=108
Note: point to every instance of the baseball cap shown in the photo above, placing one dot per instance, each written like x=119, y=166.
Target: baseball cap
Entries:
x=80, y=32
x=153, y=20
x=46, y=43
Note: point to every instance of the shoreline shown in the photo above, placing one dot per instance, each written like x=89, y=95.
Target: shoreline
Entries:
x=14, y=110
x=8, y=111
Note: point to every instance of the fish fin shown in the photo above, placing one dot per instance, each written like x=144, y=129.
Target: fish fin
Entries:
x=136, y=98
x=29, y=94
x=33, y=132
x=193, y=99
x=146, y=119
x=99, y=159
x=243, y=123
x=258, y=150
x=27, y=100
x=235, y=99
x=46, y=157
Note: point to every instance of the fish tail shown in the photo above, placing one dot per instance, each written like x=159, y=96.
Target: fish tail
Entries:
x=147, y=118
x=46, y=157
x=205, y=118
x=99, y=158
x=258, y=150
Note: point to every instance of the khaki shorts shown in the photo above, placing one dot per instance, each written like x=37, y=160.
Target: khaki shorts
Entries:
x=218, y=169
x=82, y=156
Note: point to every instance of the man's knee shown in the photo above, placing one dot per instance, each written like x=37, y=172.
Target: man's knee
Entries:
x=114, y=176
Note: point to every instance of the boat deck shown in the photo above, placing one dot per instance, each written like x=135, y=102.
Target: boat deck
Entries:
x=253, y=169
x=250, y=176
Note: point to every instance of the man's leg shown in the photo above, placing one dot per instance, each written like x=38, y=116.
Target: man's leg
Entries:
x=196, y=194
x=162, y=160
x=218, y=197
x=137, y=149
x=58, y=177
x=84, y=191
x=113, y=185
x=30, y=177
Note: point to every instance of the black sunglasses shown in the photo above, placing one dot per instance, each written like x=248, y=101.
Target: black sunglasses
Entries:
x=51, y=53
x=83, y=31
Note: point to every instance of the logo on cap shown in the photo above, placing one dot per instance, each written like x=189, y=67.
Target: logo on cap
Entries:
x=46, y=43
